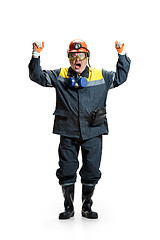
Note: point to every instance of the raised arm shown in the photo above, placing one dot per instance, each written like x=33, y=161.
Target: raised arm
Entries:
x=114, y=79
x=44, y=78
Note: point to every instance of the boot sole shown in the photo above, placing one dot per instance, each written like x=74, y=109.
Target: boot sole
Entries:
x=89, y=215
x=66, y=216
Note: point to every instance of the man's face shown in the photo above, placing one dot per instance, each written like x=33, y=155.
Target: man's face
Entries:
x=76, y=63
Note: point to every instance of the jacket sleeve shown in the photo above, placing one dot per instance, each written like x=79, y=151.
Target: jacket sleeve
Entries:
x=114, y=79
x=44, y=78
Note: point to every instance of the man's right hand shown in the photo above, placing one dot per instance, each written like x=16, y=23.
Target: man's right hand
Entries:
x=37, y=48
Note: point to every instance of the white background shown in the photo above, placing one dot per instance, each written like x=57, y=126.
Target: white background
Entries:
x=128, y=195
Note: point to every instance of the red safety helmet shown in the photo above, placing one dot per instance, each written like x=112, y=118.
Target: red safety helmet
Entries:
x=78, y=45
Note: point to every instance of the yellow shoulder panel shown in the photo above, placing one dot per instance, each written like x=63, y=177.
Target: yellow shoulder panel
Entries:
x=64, y=72
x=95, y=74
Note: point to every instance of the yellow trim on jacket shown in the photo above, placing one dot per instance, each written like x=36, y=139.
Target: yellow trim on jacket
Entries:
x=94, y=74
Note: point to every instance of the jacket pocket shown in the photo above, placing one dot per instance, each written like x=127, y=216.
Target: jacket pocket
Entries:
x=62, y=121
x=61, y=114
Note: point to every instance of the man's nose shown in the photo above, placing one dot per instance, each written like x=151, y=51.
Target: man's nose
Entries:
x=77, y=58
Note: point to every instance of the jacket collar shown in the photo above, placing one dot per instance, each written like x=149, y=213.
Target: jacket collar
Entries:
x=85, y=73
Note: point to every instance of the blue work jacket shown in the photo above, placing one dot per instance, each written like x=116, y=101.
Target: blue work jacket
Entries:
x=75, y=105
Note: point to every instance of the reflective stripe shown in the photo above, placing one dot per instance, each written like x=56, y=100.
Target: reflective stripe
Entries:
x=89, y=184
x=62, y=79
x=67, y=184
x=95, y=83
x=49, y=83
x=113, y=80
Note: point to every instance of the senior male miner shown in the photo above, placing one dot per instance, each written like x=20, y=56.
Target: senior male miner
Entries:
x=80, y=116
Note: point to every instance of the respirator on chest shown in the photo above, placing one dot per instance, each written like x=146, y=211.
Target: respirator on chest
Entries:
x=80, y=82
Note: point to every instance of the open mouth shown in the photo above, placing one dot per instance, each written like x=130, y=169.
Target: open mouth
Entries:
x=78, y=65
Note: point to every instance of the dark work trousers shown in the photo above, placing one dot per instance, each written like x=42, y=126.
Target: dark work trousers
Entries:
x=68, y=160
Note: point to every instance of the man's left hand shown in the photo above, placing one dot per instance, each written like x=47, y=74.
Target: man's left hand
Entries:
x=119, y=47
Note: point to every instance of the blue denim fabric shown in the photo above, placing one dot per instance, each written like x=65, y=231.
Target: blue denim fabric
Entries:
x=68, y=160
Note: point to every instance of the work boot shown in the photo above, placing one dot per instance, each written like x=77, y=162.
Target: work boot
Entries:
x=68, y=193
x=87, y=193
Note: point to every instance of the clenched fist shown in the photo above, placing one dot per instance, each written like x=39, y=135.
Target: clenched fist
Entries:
x=119, y=46
x=37, y=48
